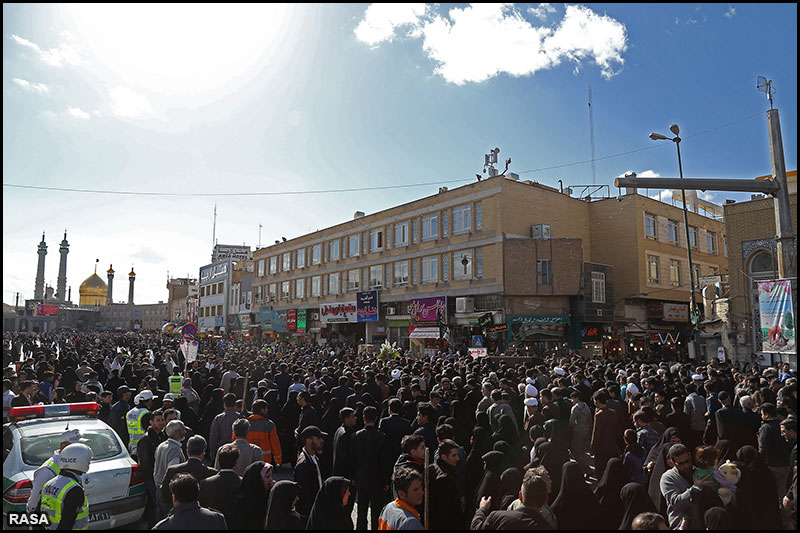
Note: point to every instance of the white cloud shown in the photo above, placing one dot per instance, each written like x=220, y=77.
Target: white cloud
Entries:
x=705, y=195
x=67, y=52
x=77, y=112
x=730, y=13
x=542, y=11
x=29, y=86
x=126, y=103
x=381, y=20
x=478, y=42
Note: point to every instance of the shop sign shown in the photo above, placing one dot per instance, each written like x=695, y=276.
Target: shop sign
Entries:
x=522, y=327
x=705, y=281
x=676, y=312
x=427, y=310
x=244, y=321
x=291, y=319
x=301, y=321
x=777, y=316
x=265, y=318
x=46, y=310
x=367, y=306
x=485, y=320
x=279, y=320
x=592, y=334
x=496, y=329
x=338, y=312
x=477, y=352
x=655, y=310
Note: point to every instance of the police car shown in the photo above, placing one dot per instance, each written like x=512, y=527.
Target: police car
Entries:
x=114, y=486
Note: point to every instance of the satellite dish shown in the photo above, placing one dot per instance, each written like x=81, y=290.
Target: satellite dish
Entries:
x=765, y=86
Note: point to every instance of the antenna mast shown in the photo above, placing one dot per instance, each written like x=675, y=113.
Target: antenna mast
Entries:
x=214, y=235
x=591, y=134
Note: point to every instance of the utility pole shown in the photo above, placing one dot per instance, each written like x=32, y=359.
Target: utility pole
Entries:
x=787, y=265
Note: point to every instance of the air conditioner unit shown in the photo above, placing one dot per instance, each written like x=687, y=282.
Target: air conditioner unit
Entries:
x=314, y=316
x=465, y=305
x=541, y=231
x=391, y=311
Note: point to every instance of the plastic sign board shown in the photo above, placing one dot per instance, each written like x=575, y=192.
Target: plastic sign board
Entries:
x=477, y=352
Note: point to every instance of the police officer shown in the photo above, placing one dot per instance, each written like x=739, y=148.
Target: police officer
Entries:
x=63, y=498
x=50, y=469
x=175, y=382
x=135, y=419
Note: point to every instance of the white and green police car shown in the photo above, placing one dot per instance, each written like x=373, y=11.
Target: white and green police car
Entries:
x=114, y=487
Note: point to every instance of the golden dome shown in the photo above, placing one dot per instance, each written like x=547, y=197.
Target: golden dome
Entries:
x=93, y=291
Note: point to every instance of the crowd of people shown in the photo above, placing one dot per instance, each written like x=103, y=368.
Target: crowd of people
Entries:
x=571, y=443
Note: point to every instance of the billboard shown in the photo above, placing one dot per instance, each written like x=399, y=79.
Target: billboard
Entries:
x=338, y=312
x=301, y=321
x=291, y=319
x=777, y=316
x=522, y=327
x=367, y=306
x=427, y=310
x=226, y=251
x=46, y=310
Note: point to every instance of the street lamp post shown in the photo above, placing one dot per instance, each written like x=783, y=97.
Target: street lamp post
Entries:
x=693, y=310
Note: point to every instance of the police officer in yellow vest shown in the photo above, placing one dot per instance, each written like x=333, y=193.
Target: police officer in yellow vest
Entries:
x=175, y=383
x=50, y=469
x=137, y=418
x=63, y=498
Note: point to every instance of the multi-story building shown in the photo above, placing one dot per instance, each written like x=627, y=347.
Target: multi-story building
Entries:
x=132, y=317
x=460, y=255
x=214, y=288
x=753, y=258
x=645, y=241
x=240, y=304
x=182, y=291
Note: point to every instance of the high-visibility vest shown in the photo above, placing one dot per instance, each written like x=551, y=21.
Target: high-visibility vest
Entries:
x=135, y=430
x=53, y=495
x=175, y=384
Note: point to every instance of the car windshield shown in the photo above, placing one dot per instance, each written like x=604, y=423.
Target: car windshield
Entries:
x=36, y=450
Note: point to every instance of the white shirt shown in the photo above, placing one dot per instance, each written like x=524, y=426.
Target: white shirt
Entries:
x=41, y=476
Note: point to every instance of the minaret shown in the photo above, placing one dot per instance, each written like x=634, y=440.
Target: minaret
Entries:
x=38, y=293
x=132, y=278
x=109, y=297
x=61, y=288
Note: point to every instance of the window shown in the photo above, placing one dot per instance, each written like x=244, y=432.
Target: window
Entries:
x=674, y=272
x=478, y=216
x=219, y=310
x=445, y=224
x=287, y=262
x=430, y=269
x=544, y=271
x=220, y=287
x=445, y=269
x=711, y=239
x=353, y=245
x=273, y=292
x=479, y=262
x=299, y=289
x=376, y=240
x=462, y=264
x=430, y=227
x=692, y=236
x=285, y=290
x=316, y=254
x=301, y=258
x=273, y=264
x=462, y=219
x=415, y=230
x=725, y=246
x=414, y=272
x=376, y=277
x=598, y=287
x=652, y=268
x=261, y=268
x=696, y=273
x=650, y=225
x=316, y=285
x=333, y=250
x=672, y=231
x=333, y=283
x=401, y=234
x=401, y=274
x=353, y=280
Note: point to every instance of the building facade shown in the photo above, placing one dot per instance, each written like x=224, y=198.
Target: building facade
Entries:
x=181, y=293
x=214, y=288
x=133, y=317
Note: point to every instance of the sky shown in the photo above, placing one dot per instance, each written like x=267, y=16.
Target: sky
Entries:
x=191, y=103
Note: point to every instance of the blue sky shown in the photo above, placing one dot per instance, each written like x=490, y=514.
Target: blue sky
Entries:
x=214, y=99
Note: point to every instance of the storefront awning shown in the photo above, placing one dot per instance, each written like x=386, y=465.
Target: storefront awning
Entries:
x=425, y=333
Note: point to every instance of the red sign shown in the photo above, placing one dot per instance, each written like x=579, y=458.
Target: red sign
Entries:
x=291, y=319
x=47, y=310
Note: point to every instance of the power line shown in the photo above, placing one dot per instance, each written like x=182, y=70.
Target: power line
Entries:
x=357, y=189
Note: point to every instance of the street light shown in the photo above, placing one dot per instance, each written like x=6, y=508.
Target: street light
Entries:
x=677, y=140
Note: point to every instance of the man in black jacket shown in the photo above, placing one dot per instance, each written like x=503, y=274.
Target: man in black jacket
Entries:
x=219, y=491
x=306, y=471
x=196, y=449
x=730, y=422
x=372, y=468
x=445, y=503
x=187, y=513
x=342, y=391
x=532, y=494
x=308, y=414
x=342, y=444
x=395, y=427
x=146, y=453
x=772, y=447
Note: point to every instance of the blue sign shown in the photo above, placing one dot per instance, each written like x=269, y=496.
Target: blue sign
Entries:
x=279, y=321
x=477, y=341
x=367, y=306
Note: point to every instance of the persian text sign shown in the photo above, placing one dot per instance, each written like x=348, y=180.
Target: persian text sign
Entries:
x=47, y=310
x=338, y=312
x=777, y=316
x=427, y=309
x=291, y=319
x=367, y=306
x=676, y=312
x=524, y=326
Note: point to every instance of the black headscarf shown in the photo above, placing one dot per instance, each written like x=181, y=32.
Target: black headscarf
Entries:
x=250, y=506
x=634, y=502
x=756, y=492
x=481, y=444
x=273, y=405
x=328, y=512
x=490, y=483
x=280, y=509
x=663, y=444
x=658, y=454
x=718, y=518
x=726, y=451
x=506, y=430
x=608, y=489
x=576, y=506
x=511, y=483
x=213, y=408
x=553, y=461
